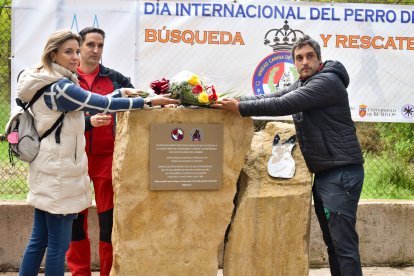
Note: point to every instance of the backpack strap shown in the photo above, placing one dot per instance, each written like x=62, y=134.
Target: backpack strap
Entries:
x=36, y=96
x=59, y=122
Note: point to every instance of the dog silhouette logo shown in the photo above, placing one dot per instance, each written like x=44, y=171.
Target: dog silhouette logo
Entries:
x=197, y=135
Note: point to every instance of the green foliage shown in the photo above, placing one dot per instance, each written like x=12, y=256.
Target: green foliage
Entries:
x=4, y=114
x=398, y=138
x=387, y=176
x=13, y=196
x=13, y=178
x=369, y=138
x=389, y=157
x=5, y=48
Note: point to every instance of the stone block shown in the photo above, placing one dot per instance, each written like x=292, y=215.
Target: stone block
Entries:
x=270, y=231
x=171, y=232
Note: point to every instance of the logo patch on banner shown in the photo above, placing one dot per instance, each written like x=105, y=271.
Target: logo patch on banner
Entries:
x=362, y=110
x=408, y=111
x=276, y=71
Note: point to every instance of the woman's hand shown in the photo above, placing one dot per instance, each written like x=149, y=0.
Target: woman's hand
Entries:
x=132, y=92
x=161, y=100
x=100, y=119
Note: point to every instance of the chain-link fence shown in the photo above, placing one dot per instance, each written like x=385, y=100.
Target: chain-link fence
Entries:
x=388, y=147
x=389, y=159
x=12, y=178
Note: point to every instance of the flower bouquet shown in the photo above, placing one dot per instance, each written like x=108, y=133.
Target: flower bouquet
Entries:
x=189, y=88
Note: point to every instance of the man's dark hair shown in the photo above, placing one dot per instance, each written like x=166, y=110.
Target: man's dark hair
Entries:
x=89, y=30
x=307, y=40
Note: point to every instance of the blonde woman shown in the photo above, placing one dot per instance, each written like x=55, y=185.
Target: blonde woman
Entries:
x=58, y=179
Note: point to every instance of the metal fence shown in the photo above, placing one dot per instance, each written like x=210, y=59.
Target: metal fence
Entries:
x=388, y=147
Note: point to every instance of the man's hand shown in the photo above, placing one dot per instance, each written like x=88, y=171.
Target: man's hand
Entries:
x=100, y=119
x=227, y=104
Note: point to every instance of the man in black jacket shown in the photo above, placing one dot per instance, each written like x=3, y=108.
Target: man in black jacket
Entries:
x=326, y=133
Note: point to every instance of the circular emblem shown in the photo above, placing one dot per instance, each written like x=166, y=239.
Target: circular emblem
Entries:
x=408, y=111
x=177, y=134
x=274, y=72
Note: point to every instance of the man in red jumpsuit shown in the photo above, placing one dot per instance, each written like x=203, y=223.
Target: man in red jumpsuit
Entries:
x=100, y=135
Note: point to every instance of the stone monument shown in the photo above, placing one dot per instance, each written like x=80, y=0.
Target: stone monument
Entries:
x=171, y=232
x=270, y=231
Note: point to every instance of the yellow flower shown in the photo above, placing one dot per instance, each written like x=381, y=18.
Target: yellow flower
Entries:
x=194, y=80
x=203, y=98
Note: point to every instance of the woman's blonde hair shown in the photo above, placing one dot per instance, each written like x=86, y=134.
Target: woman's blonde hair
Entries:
x=54, y=41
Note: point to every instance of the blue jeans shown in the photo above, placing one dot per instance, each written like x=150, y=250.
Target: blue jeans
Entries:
x=336, y=194
x=52, y=232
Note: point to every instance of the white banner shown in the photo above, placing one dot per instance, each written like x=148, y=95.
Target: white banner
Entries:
x=34, y=21
x=240, y=45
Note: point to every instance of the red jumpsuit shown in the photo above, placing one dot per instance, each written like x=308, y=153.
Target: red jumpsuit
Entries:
x=99, y=149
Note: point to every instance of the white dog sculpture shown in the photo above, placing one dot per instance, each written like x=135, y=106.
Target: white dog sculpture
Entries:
x=281, y=163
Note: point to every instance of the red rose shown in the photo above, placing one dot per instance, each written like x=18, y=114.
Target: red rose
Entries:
x=160, y=86
x=213, y=97
x=197, y=89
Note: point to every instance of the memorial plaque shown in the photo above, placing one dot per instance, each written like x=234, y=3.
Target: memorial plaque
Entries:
x=186, y=156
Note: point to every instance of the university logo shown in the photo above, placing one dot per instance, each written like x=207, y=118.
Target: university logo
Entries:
x=276, y=71
x=408, y=111
x=362, y=110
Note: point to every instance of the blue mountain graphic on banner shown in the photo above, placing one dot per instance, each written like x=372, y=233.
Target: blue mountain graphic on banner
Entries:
x=75, y=23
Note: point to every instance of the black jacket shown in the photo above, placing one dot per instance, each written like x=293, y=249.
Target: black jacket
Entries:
x=320, y=108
